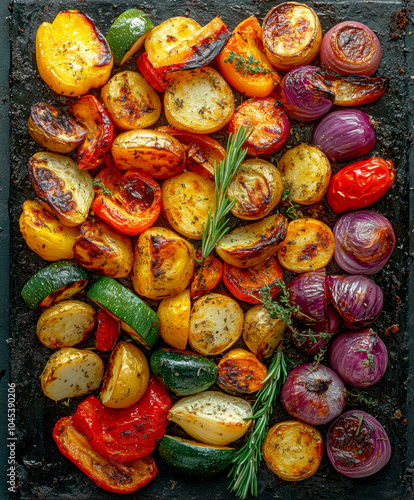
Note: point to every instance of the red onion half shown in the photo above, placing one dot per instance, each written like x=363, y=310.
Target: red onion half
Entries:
x=359, y=358
x=357, y=299
x=364, y=241
x=351, y=48
x=357, y=444
x=309, y=292
x=344, y=135
x=313, y=394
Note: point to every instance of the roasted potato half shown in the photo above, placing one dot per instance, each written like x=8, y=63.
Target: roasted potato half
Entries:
x=154, y=153
x=70, y=373
x=257, y=188
x=309, y=245
x=53, y=129
x=131, y=101
x=126, y=376
x=261, y=333
x=240, y=371
x=43, y=232
x=66, y=324
x=198, y=100
x=293, y=450
x=187, y=199
x=164, y=263
x=306, y=172
x=103, y=250
x=216, y=323
x=252, y=245
x=174, y=316
x=67, y=189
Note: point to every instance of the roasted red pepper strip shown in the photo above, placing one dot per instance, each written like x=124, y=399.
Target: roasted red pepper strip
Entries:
x=107, y=331
x=130, y=202
x=108, y=475
x=90, y=113
x=207, y=276
x=147, y=70
x=360, y=184
x=127, y=434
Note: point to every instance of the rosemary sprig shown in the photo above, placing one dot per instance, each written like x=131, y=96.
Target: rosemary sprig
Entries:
x=282, y=309
x=216, y=226
x=247, y=460
x=245, y=65
x=292, y=210
x=359, y=425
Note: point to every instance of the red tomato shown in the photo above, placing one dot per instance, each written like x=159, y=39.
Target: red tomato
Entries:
x=130, y=202
x=107, y=331
x=245, y=284
x=360, y=184
x=207, y=276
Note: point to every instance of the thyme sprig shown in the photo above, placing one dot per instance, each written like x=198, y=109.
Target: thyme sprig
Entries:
x=247, y=460
x=281, y=309
x=245, y=65
x=102, y=187
x=292, y=210
x=224, y=172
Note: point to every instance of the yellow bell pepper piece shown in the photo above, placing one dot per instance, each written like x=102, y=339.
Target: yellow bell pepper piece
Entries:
x=72, y=54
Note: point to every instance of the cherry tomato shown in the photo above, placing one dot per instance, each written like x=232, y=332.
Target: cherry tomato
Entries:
x=360, y=184
x=207, y=276
x=245, y=284
x=107, y=331
x=129, y=202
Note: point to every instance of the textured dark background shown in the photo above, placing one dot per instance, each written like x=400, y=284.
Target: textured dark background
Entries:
x=43, y=472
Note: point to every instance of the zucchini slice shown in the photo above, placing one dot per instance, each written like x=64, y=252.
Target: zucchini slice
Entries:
x=194, y=458
x=137, y=319
x=59, y=281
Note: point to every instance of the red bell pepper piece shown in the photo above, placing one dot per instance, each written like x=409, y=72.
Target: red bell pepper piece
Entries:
x=107, y=331
x=90, y=113
x=127, y=434
x=107, y=474
x=157, y=80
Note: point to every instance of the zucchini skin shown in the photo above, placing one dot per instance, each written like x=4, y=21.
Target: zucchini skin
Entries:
x=195, y=459
x=182, y=373
x=128, y=307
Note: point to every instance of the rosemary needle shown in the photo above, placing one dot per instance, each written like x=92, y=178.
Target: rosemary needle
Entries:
x=224, y=172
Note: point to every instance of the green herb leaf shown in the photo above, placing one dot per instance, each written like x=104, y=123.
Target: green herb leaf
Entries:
x=282, y=308
x=247, y=64
x=292, y=210
x=359, y=425
x=100, y=185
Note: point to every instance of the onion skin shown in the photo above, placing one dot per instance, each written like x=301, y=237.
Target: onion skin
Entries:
x=344, y=135
x=351, y=48
x=359, y=358
x=364, y=241
x=357, y=299
x=309, y=292
x=357, y=444
x=313, y=394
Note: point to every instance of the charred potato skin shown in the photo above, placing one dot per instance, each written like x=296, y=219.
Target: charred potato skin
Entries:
x=157, y=154
x=68, y=190
x=54, y=130
x=265, y=237
x=131, y=101
x=103, y=250
x=257, y=187
x=164, y=264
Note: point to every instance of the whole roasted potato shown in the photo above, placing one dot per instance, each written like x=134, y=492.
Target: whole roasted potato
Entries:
x=58, y=181
x=103, y=250
x=164, y=263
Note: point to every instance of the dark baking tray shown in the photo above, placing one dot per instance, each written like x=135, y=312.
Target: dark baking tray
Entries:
x=45, y=474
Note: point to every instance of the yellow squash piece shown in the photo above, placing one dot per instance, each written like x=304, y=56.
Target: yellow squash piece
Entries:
x=72, y=54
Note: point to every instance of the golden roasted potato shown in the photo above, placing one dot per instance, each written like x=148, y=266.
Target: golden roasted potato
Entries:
x=257, y=188
x=166, y=36
x=66, y=324
x=103, y=250
x=126, y=376
x=293, y=450
x=306, y=172
x=240, y=371
x=154, y=153
x=43, y=232
x=131, y=101
x=186, y=200
x=252, y=245
x=53, y=129
x=164, y=263
x=261, y=333
x=58, y=180
x=174, y=316
x=70, y=373
x=309, y=245
x=216, y=323
x=198, y=100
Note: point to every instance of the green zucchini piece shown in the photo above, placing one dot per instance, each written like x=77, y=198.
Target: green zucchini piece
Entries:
x=194, y=458
x=136, y=317
x=58, y=281
x=183, y=373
